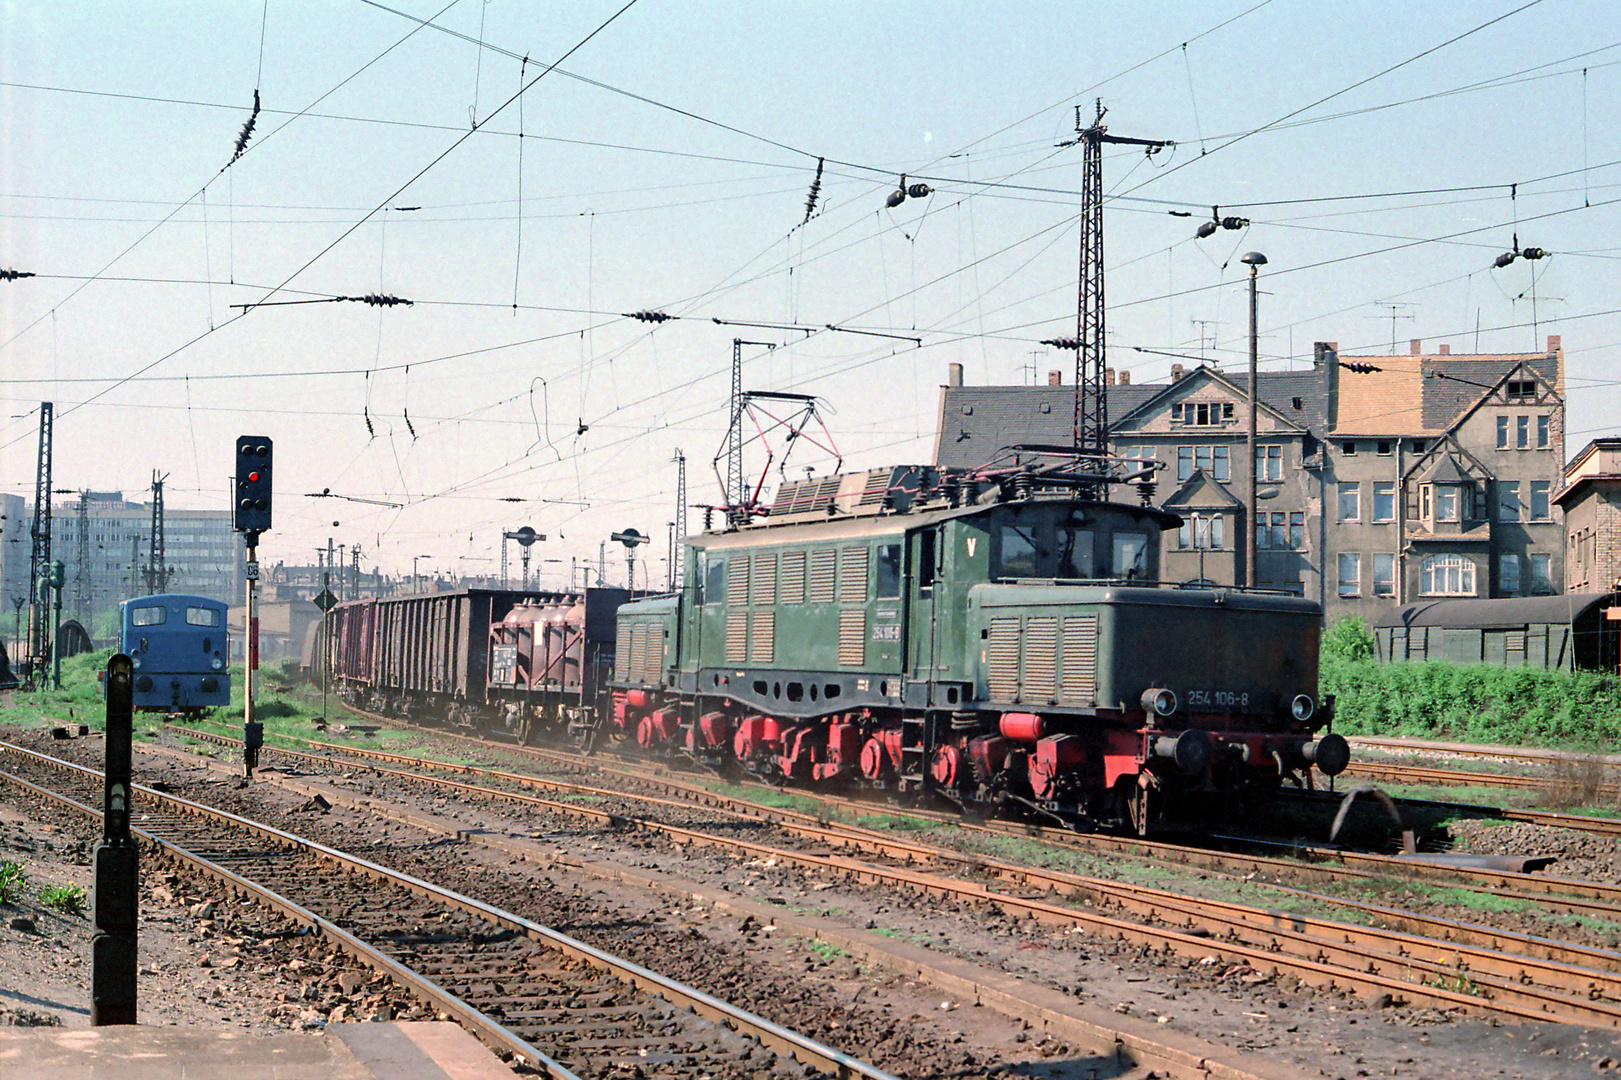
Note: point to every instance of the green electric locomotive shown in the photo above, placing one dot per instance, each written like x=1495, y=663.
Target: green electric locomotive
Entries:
x=994, y=639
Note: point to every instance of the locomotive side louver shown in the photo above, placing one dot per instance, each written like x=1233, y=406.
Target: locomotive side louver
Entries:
x=762, y=637
x=853, y=575
x=852, y=637
x=1080, y=663
x=821, y=576
x=638, y=652
x=622, y=653
x=763, y=583
x=793, y=577
x=737, y=635
x=1002, y=661
x=1040, y=660
x=652, y=669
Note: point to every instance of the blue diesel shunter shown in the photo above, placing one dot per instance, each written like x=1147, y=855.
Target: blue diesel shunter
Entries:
x=178, y=645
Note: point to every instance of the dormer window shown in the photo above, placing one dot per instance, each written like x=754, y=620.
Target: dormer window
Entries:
x=1520, y=390
x=1202, y=413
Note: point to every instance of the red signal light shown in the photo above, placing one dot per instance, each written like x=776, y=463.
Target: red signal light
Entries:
x=253, y=478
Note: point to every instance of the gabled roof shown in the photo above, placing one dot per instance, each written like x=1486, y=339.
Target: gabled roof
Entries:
x=1447, y=401
x=1199, y=491
x=1444, y=470
x=1190, y=381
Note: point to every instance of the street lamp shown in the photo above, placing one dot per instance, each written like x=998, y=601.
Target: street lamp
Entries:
x=416, y=581
x=1254, y=260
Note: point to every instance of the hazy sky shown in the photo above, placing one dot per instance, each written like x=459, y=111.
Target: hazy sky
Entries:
x=1385, y=154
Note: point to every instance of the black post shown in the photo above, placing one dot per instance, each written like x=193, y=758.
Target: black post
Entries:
x=113, y=946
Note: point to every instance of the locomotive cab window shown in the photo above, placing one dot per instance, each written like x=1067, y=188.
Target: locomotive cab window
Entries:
x=1020, y=554
x=1130, y=555
x=202, y=616
x=714, y=583
x=889, y=571
x=148, y=616
x=925, y=559
x=1075, y=552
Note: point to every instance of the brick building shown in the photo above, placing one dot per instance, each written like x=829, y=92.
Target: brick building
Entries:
x=1591, y=501
x=1381, y=479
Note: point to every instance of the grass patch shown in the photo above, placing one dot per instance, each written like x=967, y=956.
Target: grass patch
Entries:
x=827, y=950
x=65, y=898
x=13, y=882
x=1472, y=899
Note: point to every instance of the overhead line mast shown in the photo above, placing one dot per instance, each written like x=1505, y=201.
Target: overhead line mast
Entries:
x=1091, y=406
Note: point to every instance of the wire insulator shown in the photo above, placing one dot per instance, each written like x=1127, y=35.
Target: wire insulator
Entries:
x=649, y=316
x=376, y=300
x=247, y=128
x=1361, y=367
x=1235, y=223
x=815, y=190
x=13, y=275
x=1063, y=342
x=919, y=191
x=1504, y=259
x=1533, y=253
x=896, y=197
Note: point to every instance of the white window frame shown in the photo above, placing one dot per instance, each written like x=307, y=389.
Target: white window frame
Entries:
x=1353, y=488
x=1448, y=574
x=1443, y=494
x=1538, y=503
x=1384, y=574
x=1502, y=432
x=1389, y=492
x=1350, y=576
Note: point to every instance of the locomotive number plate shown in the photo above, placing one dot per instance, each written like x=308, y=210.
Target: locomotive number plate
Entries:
x=886, y=633
x=1217, y=699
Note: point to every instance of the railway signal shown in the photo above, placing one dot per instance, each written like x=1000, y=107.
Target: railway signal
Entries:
x=253, y=490
x=251, y=505
x=630, y=538
x=113, y=946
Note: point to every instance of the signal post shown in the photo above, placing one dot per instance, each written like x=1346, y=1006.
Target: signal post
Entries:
x=252, y=516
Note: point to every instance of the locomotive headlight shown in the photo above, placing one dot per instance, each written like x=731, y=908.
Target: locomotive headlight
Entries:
x=1159, y=701
x=217, y=663
x=1302, y=707
x=135, y=662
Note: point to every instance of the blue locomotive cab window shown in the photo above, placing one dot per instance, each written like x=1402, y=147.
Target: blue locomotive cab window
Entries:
x=202, y=616
x=151, y=615
x=1130, y=555
x=1075, y=553
x=714, y=581
x=1019, y=552
x=889, y=571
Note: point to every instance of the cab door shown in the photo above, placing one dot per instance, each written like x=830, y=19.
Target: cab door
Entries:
x=923, y=661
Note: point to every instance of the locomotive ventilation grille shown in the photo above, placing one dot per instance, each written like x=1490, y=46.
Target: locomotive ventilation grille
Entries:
x=1029, y=661
x=793, y=577
x=652, y=668
x=763, y=583
x=622, y=654
x=638, y=652
x=853, y=575
x=737, y=635
x=762, y=637
x=821, y=576
x=852, y=637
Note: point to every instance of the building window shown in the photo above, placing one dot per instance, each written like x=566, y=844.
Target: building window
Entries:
x=1350, y=501
x=1384, y=449
x=1418, y=446
x=1502, y=433
x=1508, y=500
x=1447, y=502
x=1508, y=575
x=1275, y=536
x=1539, y=501
x=1541, y=573
x=1520, y=390
x=1269, y=463
x=1350, y=574
x=1202, y=532
x=1212, y=459
x=1384, y=500
x=1384, y=574
x=1349, y=449
x=1297, y=530
x=1522, y=432
x=1542, y=432
x=1446, y=575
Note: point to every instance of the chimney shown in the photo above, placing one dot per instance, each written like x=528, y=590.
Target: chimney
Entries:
x=1446, y=350
x=1055, y=377
x=1553, y=343
x=1125, y=378
x=1416, y=346
x=1108, y=376
x=1176, y=372
x=953, y=374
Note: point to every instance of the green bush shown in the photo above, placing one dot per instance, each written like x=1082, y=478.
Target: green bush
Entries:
x=1473, y=702
x=1348, y=639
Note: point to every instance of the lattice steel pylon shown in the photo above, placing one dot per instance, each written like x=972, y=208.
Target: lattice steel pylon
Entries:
x=39, y=623
x=737, y=492
x=678, y=534
x=157, y=573
x=81, y=572
x=1091, y=404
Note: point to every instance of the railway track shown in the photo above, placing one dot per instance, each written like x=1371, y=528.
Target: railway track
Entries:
x=563, y=1007
x=1513, y=974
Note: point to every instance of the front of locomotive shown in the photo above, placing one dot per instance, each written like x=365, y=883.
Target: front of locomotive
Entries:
x=1118, y=697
